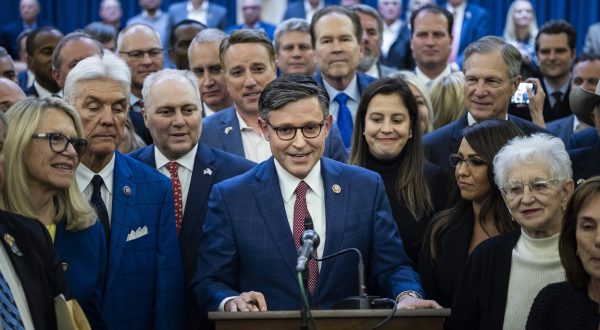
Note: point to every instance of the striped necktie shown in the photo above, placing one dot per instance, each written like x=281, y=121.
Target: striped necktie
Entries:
x=9, y=313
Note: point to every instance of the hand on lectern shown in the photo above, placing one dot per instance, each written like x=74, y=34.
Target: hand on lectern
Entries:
x=247, y=302
x=408, y=302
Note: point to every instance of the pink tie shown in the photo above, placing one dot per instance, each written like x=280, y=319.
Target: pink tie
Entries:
x=300, y=213
x=173, y=167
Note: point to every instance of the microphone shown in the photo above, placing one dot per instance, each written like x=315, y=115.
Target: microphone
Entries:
x=310, y=241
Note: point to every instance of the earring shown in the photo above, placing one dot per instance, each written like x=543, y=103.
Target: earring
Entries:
x=410, y=135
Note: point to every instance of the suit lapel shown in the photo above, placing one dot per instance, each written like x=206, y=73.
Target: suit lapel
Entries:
x=457, y=133
x=232, y=137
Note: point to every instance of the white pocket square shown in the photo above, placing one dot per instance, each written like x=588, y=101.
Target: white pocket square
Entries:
x=135, y=234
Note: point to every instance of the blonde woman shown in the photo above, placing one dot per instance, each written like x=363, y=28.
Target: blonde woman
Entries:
x=521, y=28
x=448, y=99
x=420, y=92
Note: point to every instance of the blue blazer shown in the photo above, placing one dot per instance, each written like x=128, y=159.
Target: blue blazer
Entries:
x=222, y=131
x=445, y=140
x=268, y=29
x=84, y=252
x=252, y=248
x=476, y=24
x=222, y=165
x=296, y=9
x=584, y=138
x=217, y=14
x=562, y=128
x=143, y=288
x=585, y=162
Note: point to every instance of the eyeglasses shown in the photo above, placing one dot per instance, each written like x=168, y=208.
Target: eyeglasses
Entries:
x=471, y=161
x=59, y=142
x=139, y=54
x=538, y=186
x=286, y=133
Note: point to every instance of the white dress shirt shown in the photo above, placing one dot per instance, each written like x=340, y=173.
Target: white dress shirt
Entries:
x=42, y=92
x=84, y=177
x=16, y=287
x=428, y=82
x=353, y=100
x=184, y=170
x=199, y=14
x=389, y=35
x=256, y=148
x=310, y=11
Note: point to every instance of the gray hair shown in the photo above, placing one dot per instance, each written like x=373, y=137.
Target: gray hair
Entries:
x=490, y=44
x=288, y=89
x=77, y=35
x=3, y=52
x=109, y=66
x=206, y=36
x=290, y=25
x=524, y=150
x=134, y=26
x=169, y=74
x=368, y=10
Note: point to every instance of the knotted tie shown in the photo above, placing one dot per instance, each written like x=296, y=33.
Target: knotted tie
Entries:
x=99, y=205
x=9, y=313
x=173, y=171
x=300, y=213
x=344, y=118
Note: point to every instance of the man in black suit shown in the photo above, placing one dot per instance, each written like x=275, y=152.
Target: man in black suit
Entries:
x=173, y=116
x=491, y=70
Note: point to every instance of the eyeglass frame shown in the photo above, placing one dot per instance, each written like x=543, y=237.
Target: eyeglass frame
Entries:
x=158, y=50
x=276, y=129
x=468, y=161
x=531, y=191
x=72, y=140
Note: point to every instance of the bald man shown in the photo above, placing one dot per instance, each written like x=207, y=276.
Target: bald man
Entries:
x=10, y=93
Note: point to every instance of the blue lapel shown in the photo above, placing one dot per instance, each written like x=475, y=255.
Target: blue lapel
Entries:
x=146, y=155
x=230, y=131
x=457, y=135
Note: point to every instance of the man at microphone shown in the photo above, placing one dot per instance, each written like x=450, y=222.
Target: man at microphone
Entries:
x=247, y=259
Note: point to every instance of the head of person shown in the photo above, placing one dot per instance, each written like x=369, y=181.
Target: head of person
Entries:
x=586, y=106
x=28, y=10
x=491, y=69
x=7, y=66
x=421, y=94
x=150, y=5
x=173, y=111
x=413, y=5
x=98, y=88
x=585, y=72
x=555, y=48
x=535, y=177
x=431, y=38
x=294, y=118
x=251, y=11
x=40, y=45
x=203, y=57
x=182, y=35
x=336, y=33
x=110, y=12
x=520, y=15
x=71, y=49
x=140, y=47
x=104, y=33
x=448, y=99
x=390, y=10
x=294, y=48
x=22, y=42
x=248, y=60
x=372, y=30
x=579, y=245
x=10, y=93
x=131, y=140
x=43, y=145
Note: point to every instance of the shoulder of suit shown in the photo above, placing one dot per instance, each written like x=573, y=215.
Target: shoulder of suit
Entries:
x=228, y=159
x=142, y=171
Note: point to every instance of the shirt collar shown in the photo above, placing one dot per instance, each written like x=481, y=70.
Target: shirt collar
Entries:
x=84, y=175
x=458, y=9
x=42, y=92
x=471, y=120
x=288, y=182
x=133, y=99
x=203, y=6
x=243, y=126
x=156, y=15
x=562, y=89
x=186, y=161
x=394, y=27
x=351, y=90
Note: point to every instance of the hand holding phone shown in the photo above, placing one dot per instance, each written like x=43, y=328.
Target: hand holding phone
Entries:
x=520, y=96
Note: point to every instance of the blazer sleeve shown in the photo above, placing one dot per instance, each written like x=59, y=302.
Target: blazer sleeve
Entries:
x=168, y=304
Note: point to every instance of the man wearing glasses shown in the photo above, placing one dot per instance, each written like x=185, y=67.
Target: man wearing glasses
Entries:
x=254, y=270
x=140, y=46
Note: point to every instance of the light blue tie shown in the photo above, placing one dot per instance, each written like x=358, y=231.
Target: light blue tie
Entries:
x=8, y=308
x=344, y=119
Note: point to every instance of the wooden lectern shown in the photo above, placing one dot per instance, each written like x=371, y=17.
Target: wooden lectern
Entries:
x=415, y=319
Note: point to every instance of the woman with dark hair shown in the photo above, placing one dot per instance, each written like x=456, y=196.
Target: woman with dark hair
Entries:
x=387, y=140
x=477, y=214
x=574, y=304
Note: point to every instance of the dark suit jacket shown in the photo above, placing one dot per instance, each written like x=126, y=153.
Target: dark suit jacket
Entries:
x=137, y=119
x=585, y=162
x=562, y=128
x=217, y=14
x=296, y=9
x=476, y=24
x=584, y=138
x=400, y=55
x=222, y=131
x=268, y=29
x=32, y=91
x=9, y=34
x=144, y=281
x=222, y=165
x=252, y=248
x=22, y=76
x=38, y=268
x=445, y=140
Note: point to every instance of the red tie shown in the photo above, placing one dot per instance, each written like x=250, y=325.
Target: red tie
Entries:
x=300, y=213
x=172, y=167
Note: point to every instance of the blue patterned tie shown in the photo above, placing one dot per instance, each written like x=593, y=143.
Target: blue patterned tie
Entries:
x=344, y=119
x=8, y=308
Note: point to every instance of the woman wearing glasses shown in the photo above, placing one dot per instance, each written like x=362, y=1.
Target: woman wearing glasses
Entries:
x=475, y=215
x=42, y=149
x=387, y=140
x=505, y=273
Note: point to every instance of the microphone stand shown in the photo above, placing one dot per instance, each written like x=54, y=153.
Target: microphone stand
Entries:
x=303, y=311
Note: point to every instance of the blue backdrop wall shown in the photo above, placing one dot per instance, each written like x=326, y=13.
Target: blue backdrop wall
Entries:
x=69, y=15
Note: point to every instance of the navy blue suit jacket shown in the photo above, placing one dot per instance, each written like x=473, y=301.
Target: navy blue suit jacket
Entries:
x=252, y=247
x=222, y=131
x=217, y=14
x=84, y=251
x=562, y=128
x=144, y=281
x=221, y=165
x=584, y=138
x=296, y=9
x=268, y=29
x=400, y=55
x=445, y=140
x=585, y=162
x=476, y=24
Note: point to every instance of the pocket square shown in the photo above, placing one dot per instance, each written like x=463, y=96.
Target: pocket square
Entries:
x=135, y=234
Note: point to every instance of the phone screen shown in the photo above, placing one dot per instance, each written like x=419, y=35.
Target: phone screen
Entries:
x=520, y=96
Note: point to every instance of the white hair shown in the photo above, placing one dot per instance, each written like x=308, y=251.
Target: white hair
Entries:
x=169, y=74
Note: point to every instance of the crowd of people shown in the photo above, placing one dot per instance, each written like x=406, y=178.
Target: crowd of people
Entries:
x=167, y=168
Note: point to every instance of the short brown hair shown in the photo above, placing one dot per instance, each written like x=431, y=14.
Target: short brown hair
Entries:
x=246, y=36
